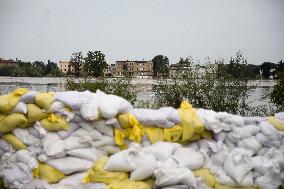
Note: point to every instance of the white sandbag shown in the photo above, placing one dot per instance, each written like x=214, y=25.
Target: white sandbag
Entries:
x=35, y=149
x=262, y=151
x=233, y=120
x=270, y=132
x=189, y=158
x=224, y=179
x=111, y=105
x=90, y=111
x=86, y=125
x=169, y=163
x=16, y=174
x=262, y=165
x=68, y=165
x=60, y=109
x=21, y=108
x=124, y=161
x=238, y=164
x=73, y=142
x=269, y=181
x=26, y=137
x=249, y=143
x=41, y=131
x=103, y=128
x=217, y=159
x=72, y=128
x=74, y=99
x=279, y=115
x=109, y=149
x=82, y=133
x=171, y=114
x=181, y=175
x=146, y=167
x=253, y=120
x=243, y=132
x=77, y=118
x=53, y=145
x=4, y=146
x=113, y=122
x=265, y=141
x=28, y=97
x=74, y=179
x=162, y=150
x=27, y=158
x=206, y=145
x=179, y=186
x=95, y=134
x=152, y=117
x=1, y=153
x=43, y=157
x=104, y=141
x=90, y=154
x=37, y=184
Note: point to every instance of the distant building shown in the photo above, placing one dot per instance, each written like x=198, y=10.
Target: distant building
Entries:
x=138, y=69
x=110, y=70
x=179, y=70
x=63, y=66
x=9, y=62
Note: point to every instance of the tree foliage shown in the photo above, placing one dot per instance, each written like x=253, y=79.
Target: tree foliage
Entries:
x=76, y=63
x=95, y=64
x=160, y=66
x=277, y=95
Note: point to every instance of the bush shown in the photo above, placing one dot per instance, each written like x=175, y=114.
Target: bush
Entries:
x=277, y=95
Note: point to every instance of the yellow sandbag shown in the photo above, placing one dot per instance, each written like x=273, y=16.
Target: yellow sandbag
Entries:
x=173, y=134
x=220, y=186
x=54, y=123
x=127, y=120
x=11, y=121
x=8, y=102
x=190, y=122
x=49, y=174
x=36, y=172
x=154, y=134
x=35, y=113
x=128, y=184
x=120, y=135
x=2, y=116
x=14, y=141
x=44, y=100
x=136, y=133
x=97, y=174
x=206, y=134
x=276, y=123
x=207, y=177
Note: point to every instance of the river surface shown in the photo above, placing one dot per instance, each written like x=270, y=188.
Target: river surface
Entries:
x=144, y=87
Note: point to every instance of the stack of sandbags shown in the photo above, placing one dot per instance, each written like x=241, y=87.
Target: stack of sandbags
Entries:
x=95, y=140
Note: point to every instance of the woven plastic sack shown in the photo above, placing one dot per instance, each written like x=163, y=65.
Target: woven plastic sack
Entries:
x=9, y=102
x=14, y=141
x=96, y=174
x=207, y=176
x=50, y=174
x=54, y=123
x=127, y=184
x=35, y=113
x=220, y=186
x=11, y=121
x=44, y=100
x=154, y=134
x=276, y=123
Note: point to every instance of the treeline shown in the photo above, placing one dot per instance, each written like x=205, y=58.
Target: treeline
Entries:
x=35, y=69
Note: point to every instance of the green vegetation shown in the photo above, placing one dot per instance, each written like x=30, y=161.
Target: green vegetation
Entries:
x=95, y=64
x=27, y=69
x=160, y=66
x=277, y=95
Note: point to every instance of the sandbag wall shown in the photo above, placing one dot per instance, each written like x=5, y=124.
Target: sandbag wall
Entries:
x=95, y=140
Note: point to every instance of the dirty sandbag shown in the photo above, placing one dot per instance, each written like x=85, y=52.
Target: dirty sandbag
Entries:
x=96, y=174
x=68, y=165
x=180, y=175
x=44, y=100
x=35, y=113
x=112, y=105
x=11, y=121
x=54, y=123
x=20, y=108
x=49, y=174
x=14, y=141
x=8, y=102
x=196, y=160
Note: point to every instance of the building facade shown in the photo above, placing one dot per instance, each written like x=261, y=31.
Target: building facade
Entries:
x=138, y=69
x=63, y=66
x=9, y=62
x=179, y=70
x=182, y=70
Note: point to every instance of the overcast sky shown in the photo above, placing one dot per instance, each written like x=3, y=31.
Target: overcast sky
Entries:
x=140, y=29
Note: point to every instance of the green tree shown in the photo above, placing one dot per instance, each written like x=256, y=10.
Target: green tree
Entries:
x=187, y=61
x=52, y=70
x=76, y=63
x=265, y=68
x=160, y=66
x=38, y=69
x=277, y=95
x=95, y=64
